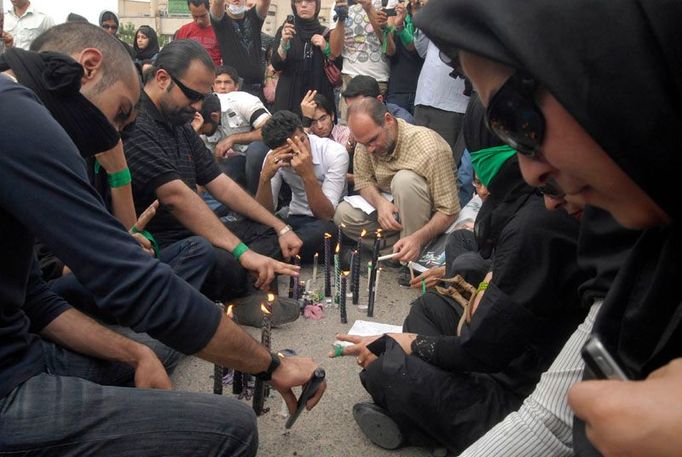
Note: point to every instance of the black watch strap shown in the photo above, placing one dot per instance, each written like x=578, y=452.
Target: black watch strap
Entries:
x=274, y=364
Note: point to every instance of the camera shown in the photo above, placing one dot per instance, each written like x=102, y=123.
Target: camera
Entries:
x=290, y=19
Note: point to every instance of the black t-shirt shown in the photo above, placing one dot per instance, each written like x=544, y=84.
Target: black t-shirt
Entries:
x=240, y=44
x=159, y=153
x=405, y=68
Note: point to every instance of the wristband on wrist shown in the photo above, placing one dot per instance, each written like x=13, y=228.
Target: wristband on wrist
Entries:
x=286, y=46
x=406, y=36
x=150, y=237
x=482, y=286
x=327, y=50
x=239, y=250
x=120, y=178
x=284, y=230
x=307, y=122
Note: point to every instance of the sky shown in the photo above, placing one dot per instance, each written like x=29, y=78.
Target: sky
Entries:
x=59, y=9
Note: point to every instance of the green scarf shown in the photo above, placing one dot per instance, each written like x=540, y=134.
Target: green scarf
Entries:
x=487, y=162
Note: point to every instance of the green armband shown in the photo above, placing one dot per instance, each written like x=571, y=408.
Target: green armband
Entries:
x=120, y=178
x=287, y=46
x=387, y=31
x=150, y=237
x=406, y=36
x=239, y=250
x=327, y=50
x=482, y=286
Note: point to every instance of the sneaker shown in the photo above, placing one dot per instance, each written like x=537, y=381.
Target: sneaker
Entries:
x=404, y=277
x=247, y=310
x=377, y=426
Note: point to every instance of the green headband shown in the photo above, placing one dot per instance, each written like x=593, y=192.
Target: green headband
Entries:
x=487, y=162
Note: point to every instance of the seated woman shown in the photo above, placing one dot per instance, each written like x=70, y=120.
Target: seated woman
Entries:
x=438, y=386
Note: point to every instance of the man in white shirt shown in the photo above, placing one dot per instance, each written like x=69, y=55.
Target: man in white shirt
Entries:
x=25, y=23
x=238, y=143
x=315, y=169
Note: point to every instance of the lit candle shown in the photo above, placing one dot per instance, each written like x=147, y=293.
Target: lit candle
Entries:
x=342, y=302
x=337, y=274
x=369, y=273
x=237, y=384
x=294, y=288
x=316, y=259
x=260, y=388
x=376, y=283
x=327, y=265
x=372, y=276
x=355, y=276
x=218, y=370
x=339, y=237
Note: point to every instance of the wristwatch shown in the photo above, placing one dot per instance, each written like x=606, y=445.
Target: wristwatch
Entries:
x=284, y=230
x=274, y=364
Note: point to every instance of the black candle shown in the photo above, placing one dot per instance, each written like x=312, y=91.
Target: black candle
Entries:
x=355, y=276
x=327, y=265
x=373, y=275
x=260, y=388
x=342, y=298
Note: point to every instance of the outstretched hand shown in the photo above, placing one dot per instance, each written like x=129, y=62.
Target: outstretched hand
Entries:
x=292, y=372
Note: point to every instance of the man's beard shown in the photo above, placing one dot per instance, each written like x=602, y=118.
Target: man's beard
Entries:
x=177, y=116
x=389, y=149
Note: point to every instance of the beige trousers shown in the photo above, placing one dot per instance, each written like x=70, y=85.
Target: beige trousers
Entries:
x=412, y=197
x=343, y=108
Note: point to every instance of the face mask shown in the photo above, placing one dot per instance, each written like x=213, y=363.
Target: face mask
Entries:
x=236, y=9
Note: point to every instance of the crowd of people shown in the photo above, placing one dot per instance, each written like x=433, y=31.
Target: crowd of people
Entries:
x=167, y=180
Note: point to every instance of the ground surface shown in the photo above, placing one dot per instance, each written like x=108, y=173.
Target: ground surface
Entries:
x=329, y=430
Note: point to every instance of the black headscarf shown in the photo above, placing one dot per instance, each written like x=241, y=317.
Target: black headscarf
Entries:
x=508, y=190
x=306, y=28
x=56, y=80
x=108, y=15
x=615, y=66
x=152, y=48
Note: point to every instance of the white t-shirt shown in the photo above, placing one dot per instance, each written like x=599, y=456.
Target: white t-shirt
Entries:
x=362, y=53
x=241, y=113
x=330, y=161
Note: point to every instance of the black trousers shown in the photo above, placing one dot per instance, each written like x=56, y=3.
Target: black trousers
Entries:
x=433, y=407
x=228, y=279
x=462, y=258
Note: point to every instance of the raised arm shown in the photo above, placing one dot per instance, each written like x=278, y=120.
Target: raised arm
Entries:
x=218, y=9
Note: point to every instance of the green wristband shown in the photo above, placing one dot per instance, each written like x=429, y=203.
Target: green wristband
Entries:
x=287, y=46
x=150, y=237
x=482, y=286
x=327, y=51
x=120, y=178
x=239, y=250
x=406, y=37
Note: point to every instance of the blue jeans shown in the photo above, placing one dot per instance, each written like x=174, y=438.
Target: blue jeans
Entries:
x=245, y=170
x=311, y=231
x=68, y=416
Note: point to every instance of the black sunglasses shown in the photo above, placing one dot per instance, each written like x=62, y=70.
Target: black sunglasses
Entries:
x=514, y=116
x=551, y=189
x=191, y=94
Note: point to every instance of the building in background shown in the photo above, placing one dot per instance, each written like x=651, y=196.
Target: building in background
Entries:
x=167, y=16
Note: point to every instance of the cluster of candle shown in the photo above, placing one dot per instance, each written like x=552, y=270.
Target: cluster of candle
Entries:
x=261, y=390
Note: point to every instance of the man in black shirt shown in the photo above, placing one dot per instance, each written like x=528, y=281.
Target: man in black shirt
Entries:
x=50, y=412
x=168, y=160
x=238, y=29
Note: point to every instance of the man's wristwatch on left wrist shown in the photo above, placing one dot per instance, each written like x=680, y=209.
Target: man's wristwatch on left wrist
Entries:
x=274, y=364
x=284, y=230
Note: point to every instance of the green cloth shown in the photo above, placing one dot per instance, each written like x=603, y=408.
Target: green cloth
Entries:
x=487, y=162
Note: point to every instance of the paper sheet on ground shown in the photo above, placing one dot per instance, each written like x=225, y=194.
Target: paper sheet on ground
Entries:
x=358, y=202
x=367, y=328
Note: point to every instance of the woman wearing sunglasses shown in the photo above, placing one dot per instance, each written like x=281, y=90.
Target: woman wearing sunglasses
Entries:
x=593, y=102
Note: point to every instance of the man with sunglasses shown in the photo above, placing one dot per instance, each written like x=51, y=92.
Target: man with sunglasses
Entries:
x=168, y=160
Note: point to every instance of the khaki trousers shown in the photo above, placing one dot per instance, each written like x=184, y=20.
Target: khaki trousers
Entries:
x=413, y=199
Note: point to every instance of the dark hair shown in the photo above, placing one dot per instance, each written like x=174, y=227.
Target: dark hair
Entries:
x=177, y=56
x=230, y=71
x=324, y=104
x=211, y=105
x=372, y=107
x=108, y=16
x=199, y=3
x=362, y=85
x=72, y=37
x=152, y=47
x=279, y=127
x=73, y=17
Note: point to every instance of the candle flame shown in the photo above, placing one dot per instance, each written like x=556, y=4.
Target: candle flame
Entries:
x=298, y=257
x=343, y=225
x=363, y=233
x=228, y=311
x=271, y=298
x=338, y=248
x=317, y=254
x=327, y=235
x=265, y=309
x=345, y=273
x=378, y=234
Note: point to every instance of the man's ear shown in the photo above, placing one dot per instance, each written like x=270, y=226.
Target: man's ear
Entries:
x=380, y=98
x=215, y=117
x=162, y=78
x=92, y=61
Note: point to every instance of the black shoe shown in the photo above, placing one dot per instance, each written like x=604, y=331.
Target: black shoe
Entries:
x=378, y=426
x=404, y=277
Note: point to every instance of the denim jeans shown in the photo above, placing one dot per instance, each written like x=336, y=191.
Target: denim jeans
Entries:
x=311, y=231
x=68, y=416
x=245, y=170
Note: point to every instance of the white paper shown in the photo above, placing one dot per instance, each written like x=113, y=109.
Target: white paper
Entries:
x=367, y=328
x=358, y=202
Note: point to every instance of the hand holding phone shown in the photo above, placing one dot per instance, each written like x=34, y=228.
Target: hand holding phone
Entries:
x=308, y=391
x=600, y=362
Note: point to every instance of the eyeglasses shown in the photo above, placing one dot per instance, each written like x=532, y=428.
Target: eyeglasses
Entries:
x=191, y=94
x=551, y=189
x=514, y=116
x=322, y=119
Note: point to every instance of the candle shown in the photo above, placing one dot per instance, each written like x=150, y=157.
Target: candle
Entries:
x=355, y=276
x=337, y=274
x=218, y=370
x=342, y=302
x=369, y=273
x=327, y=265
x=362, y=234
x=293, y=281
x=376, y=283
x=237, y=383
x=372, y=276
x=316, y=259
x=339, y=237
x=260, y=388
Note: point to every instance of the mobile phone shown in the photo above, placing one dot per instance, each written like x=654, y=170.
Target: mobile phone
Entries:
x=290, y=19
x=308, y=391
x=600, y=362
x=389, y=11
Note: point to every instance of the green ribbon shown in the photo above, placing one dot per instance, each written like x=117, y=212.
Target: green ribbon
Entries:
x=487, y=162
x=407, y=33
x=150, y=237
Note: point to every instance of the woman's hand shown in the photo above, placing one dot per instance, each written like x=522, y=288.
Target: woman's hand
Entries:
x=319, y=41
x=288, y=32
